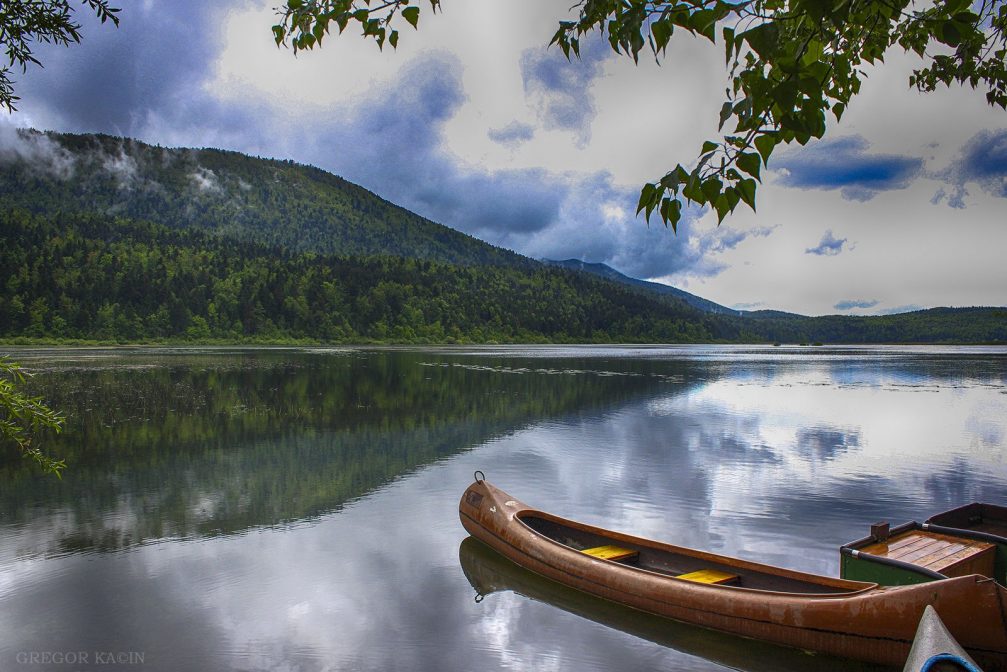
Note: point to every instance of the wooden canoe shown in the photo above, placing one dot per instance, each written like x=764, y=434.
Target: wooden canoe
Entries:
x=850, y=619
x=935, y=650
x=489, y=572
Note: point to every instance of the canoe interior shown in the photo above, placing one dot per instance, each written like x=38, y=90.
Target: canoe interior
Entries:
x=670, y=562
x=987, y=520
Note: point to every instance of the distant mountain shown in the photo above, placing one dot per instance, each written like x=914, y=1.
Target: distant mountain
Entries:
x=300, y=208
x=112, y=239
x=610, y=273
x=774, y=314
x=935, y=325
x=94, y=277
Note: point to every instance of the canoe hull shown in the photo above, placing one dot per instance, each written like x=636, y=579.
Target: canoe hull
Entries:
x=865, y=622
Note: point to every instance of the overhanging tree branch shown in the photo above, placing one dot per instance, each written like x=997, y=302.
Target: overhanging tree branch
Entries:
x=789, y=63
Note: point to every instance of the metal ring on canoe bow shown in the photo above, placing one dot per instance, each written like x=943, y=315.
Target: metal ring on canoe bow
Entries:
x=479, y=476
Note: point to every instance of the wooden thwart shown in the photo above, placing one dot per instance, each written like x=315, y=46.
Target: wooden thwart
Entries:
x=611, y=552
x=712, y=576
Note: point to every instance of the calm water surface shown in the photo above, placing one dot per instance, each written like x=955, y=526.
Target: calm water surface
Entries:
x=296, y=509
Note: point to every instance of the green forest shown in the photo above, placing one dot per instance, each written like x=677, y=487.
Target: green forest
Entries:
x=277, y=203
x=112, y=240
x=96, y=278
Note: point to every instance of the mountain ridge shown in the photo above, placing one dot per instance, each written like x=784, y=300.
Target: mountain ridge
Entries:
x=272, y=201
x=606, y=271
x=308, y=255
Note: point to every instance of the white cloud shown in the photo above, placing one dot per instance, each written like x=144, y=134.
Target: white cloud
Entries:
x=238, y=91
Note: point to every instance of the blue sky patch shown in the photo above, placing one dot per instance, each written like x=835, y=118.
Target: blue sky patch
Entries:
x=983, y=161
x=561, y=88
x=512, y=135
x=850, y=304
x=845, y=164
x=829, y=246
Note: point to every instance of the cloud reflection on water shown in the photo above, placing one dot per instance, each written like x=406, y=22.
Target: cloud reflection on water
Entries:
x=778, y=459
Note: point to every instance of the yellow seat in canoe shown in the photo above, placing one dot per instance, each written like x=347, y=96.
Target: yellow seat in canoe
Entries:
x=610, y=552
x=712, y=576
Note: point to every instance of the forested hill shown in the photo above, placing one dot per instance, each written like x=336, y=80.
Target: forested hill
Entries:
x=71, y=276
x=278, y=203
x=605, y=271
x=111, y=239
x=91, y=277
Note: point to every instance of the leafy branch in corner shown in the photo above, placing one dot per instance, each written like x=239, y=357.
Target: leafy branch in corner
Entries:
x=23, y=418
x=303, y=23
x=26, y=22
x=789, y=63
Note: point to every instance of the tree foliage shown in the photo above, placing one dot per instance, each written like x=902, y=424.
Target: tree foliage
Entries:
x=278, y=203
x=789, y=64
x=23, y=418
x=94, y=277
x=26, y=22
x=22, y=24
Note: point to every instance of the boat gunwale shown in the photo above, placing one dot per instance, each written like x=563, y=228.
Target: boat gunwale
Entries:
x=729, y=561
x=939, y=522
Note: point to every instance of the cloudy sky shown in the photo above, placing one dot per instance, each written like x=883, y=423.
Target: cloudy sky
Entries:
x=473, y=123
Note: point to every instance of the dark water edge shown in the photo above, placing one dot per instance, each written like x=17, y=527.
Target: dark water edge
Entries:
x=295, y=508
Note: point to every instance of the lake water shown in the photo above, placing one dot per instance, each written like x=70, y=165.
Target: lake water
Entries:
x=296, y=509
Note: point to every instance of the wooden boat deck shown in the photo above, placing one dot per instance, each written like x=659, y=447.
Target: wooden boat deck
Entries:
x=947, y=555
x=667, y=563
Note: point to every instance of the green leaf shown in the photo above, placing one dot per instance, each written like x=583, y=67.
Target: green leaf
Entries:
x=765, y=144
x=412, y=15
x=764, y=39
x=661, y=31
x=812, y=52
x=671, y=212
x=950, y=34
x=750, y=163
x=732, y=196
x=704, y=22
x=708, y=146
x=746, y=190
x=670, y=181
x=694, y=190
x=785, y=94
x=725, y=114
x=722, y=206
x=647, y=195
x=711, y=188
x=728, y=44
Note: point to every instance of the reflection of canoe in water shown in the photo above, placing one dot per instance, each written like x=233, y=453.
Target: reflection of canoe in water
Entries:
x=935, y=650
x=489, y=572
x=850, y=619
